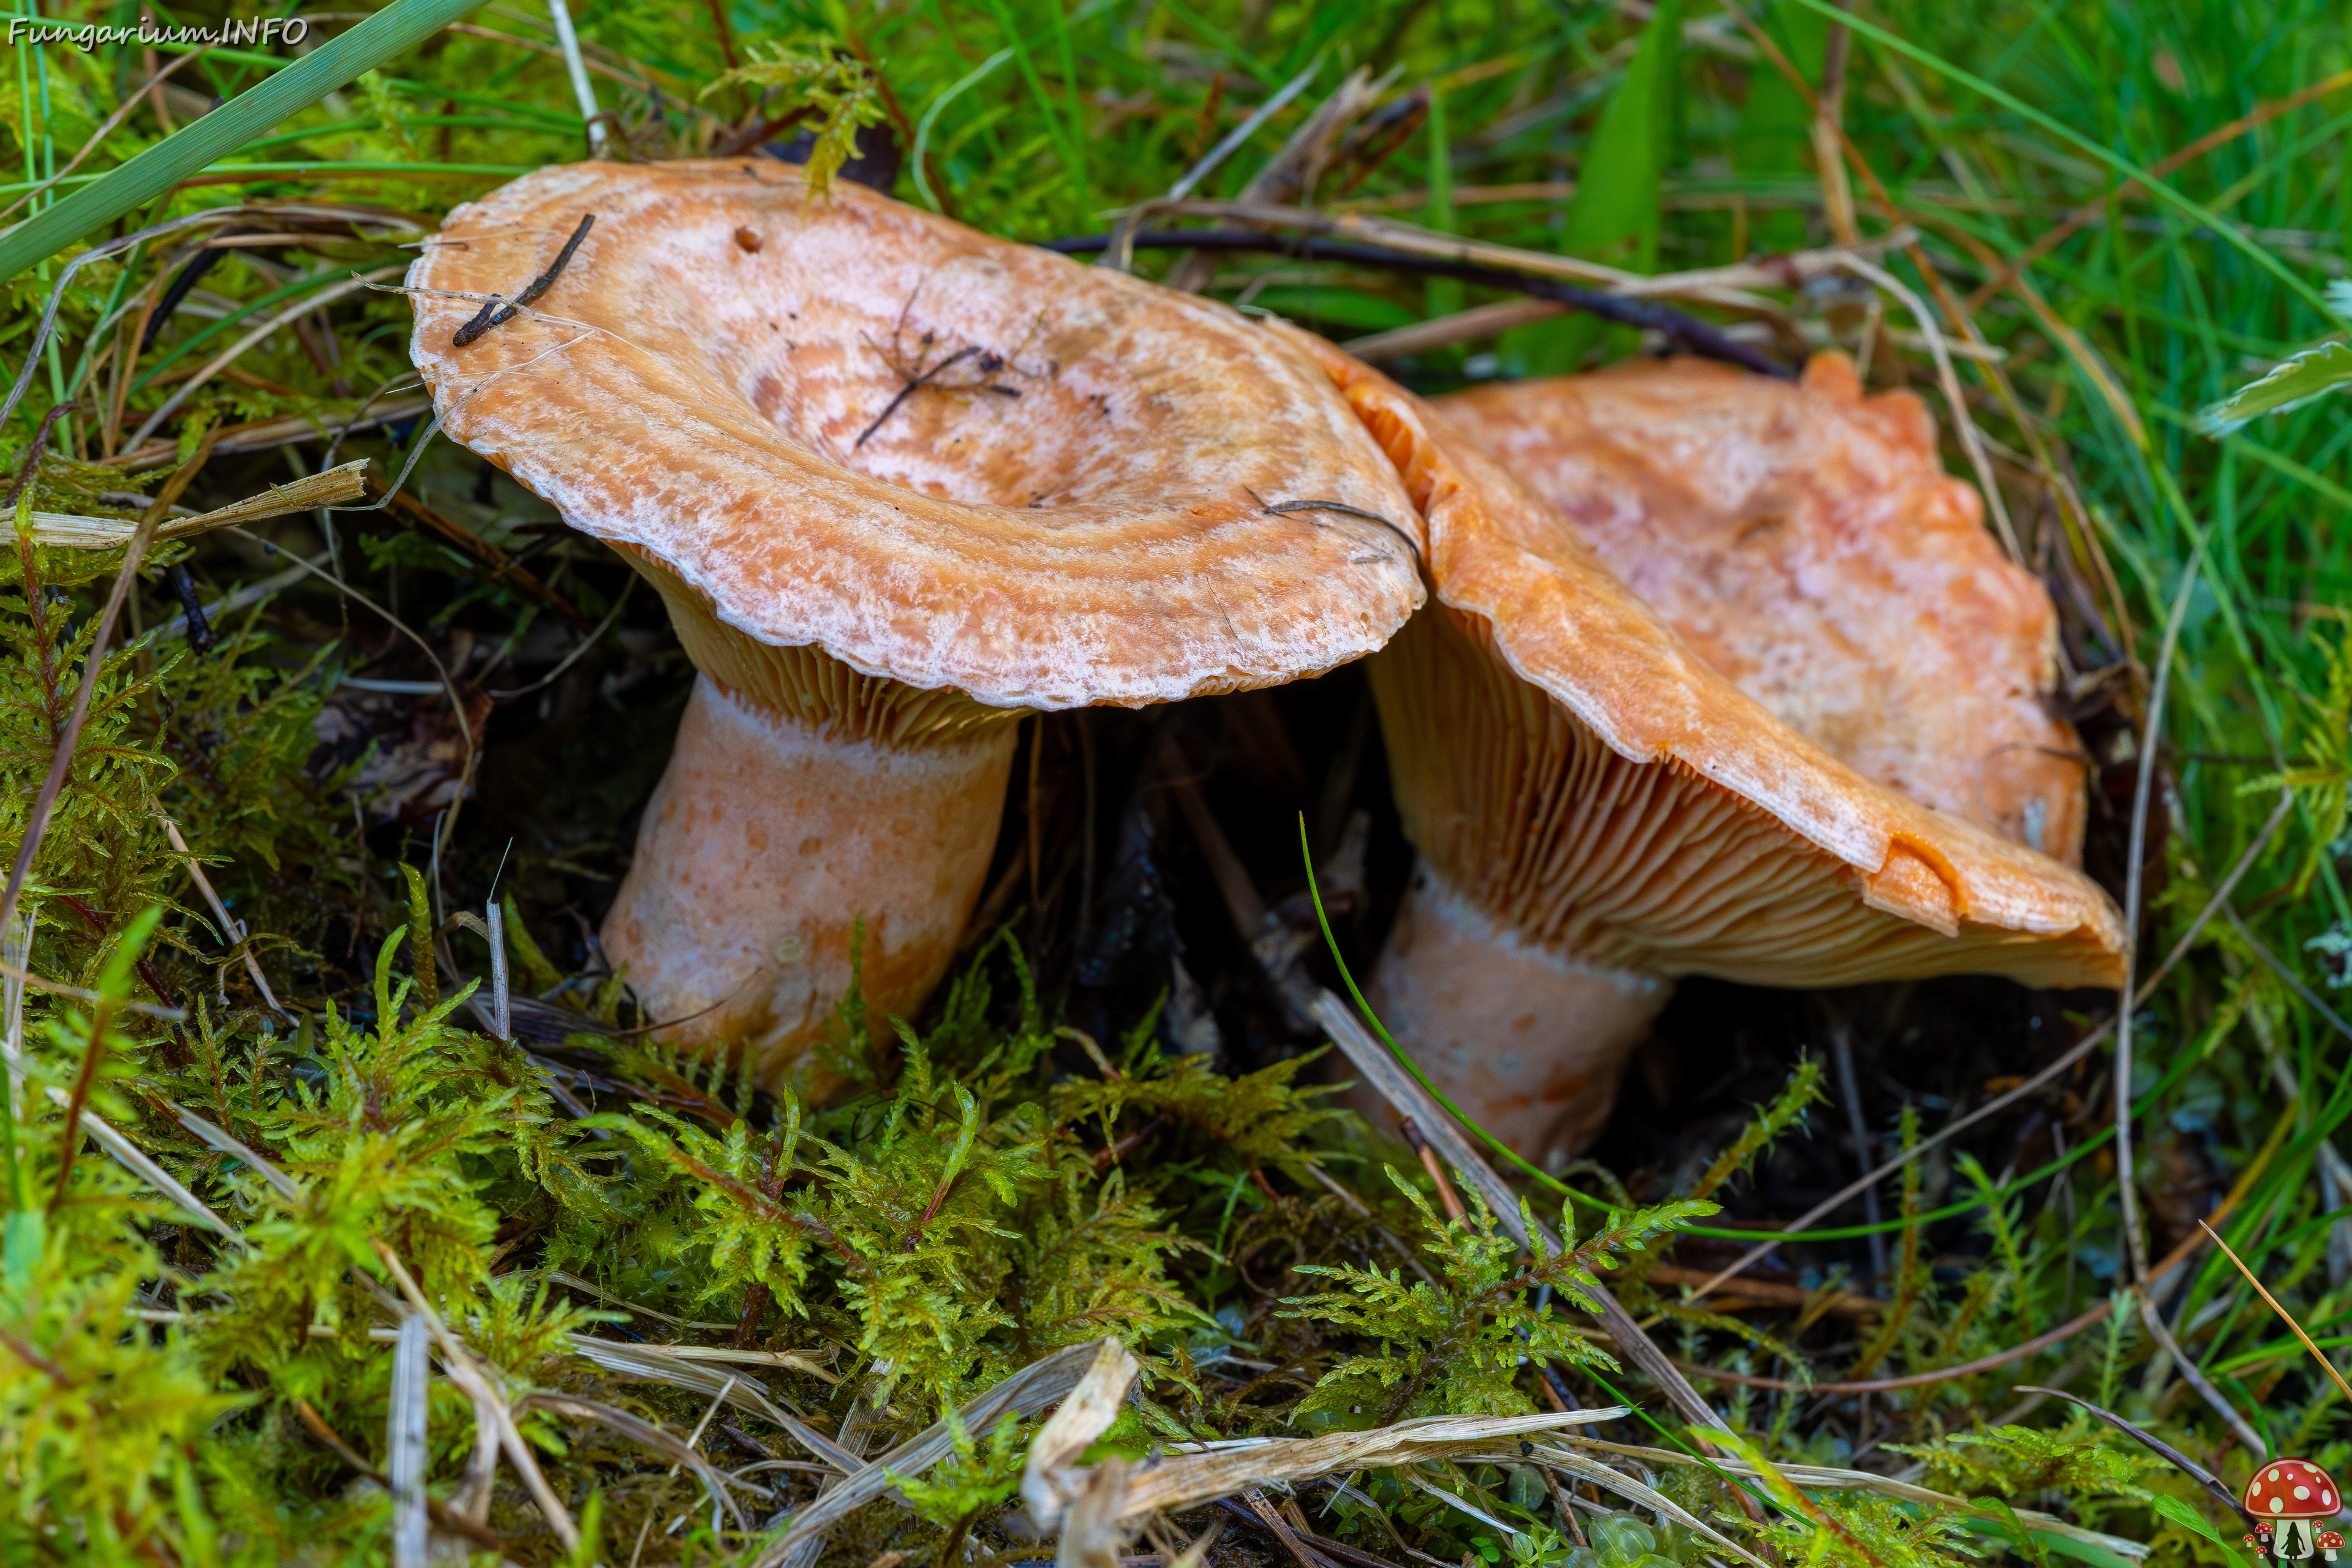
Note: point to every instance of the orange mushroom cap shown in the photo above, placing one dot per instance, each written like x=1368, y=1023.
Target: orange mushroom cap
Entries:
x=1807, y=541
x=2293, y=1488
x=1700, y=835
x=895, y=480
x=943, y=458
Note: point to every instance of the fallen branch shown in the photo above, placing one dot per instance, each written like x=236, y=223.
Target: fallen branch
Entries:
x=1687, y=330
x=328, y=488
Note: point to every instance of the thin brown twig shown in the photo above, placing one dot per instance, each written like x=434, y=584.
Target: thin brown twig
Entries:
x=147, y=970
x=69, y=1142
x=454, y=1523
x=27, y=1352
x=501, y=567
x=1428, y=1157
x=33, y=454
x=2285, y=1316
x=915, y=383
x=726, y=32
x=495, y=312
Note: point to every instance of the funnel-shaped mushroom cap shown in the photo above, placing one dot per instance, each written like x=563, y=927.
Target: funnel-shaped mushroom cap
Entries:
x=2293, y=1488
x=942, y=458
x=1805, y=540
x=896, y=481
x=1583, y=777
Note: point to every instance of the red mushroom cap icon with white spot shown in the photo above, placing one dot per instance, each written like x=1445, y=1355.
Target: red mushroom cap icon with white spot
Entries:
x=2293, y=1488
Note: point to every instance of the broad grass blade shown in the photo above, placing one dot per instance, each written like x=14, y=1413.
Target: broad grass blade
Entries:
x=390, y=32
x=1614, y=217
x=2314, y=373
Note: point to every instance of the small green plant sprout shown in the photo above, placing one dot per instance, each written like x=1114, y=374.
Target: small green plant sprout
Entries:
x=2019, y=1461
x=982, y=1474
x=1452, y=1343
x=2318, y=774
x=837, y=92
x=1803, y=1092
x=2190, y=1519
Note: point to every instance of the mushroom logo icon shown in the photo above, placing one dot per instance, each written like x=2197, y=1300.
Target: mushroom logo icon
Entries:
x=2292, y=1496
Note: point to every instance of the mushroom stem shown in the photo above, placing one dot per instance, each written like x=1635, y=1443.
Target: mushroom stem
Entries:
x=1526, y=1042
x=769, y=840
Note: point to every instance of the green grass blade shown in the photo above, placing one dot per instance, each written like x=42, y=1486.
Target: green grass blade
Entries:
x=1440, y=296
x=1615, y=215
x=2314, y=373
x=1404, y=1058
x=963, y=84
x=383, y=36
x=2229, y=231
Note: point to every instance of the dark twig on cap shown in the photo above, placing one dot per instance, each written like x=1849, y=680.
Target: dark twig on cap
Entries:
x=480, y=323
x=914, y=383
x=492, y=314
x=1283, y=508
x=1685, y=331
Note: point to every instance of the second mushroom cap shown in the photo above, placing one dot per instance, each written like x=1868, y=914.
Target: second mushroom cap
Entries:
x=1807, y=541
x=1598, y=811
